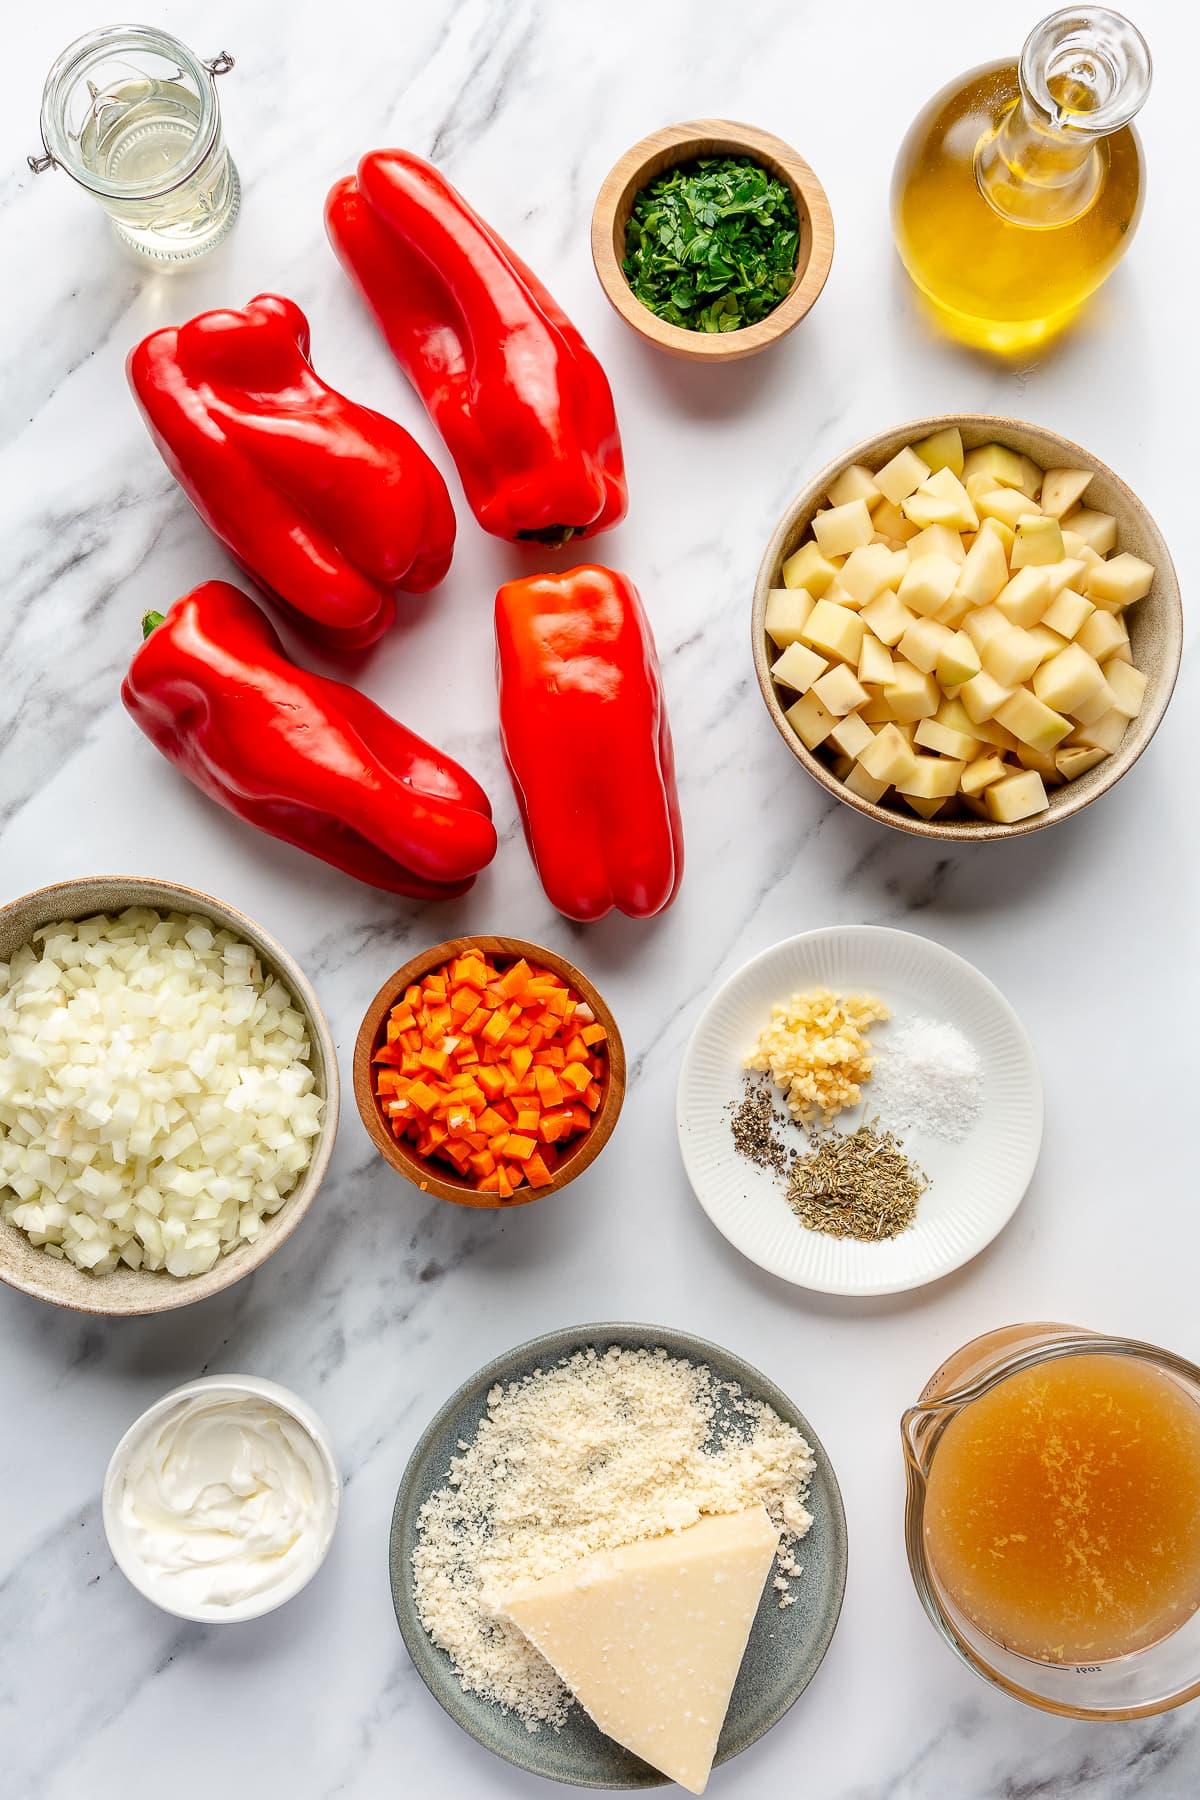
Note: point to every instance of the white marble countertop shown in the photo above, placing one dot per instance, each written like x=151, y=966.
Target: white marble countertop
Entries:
x=383, y=1303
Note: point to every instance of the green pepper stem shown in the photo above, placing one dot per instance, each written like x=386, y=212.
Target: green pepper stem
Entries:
x=149, y=621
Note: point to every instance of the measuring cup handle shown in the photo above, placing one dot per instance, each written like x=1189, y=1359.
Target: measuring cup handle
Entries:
x=220, y=64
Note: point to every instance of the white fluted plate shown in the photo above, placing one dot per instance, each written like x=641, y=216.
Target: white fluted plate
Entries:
x=975, y=1186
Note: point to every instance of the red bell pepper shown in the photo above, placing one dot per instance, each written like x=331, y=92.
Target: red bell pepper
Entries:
x=328, y=505
x=306, y=759
x=585, y=734
x=524, y=407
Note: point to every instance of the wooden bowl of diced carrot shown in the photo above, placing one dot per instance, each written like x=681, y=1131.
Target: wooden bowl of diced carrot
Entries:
x=489, y=1071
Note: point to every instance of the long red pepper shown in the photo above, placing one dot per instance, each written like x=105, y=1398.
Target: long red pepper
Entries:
x=331, y=507
x=522, y=403
x=584, y=727
x=304, y=758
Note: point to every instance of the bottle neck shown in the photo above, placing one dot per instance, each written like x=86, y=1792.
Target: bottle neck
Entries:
x=1083, y=74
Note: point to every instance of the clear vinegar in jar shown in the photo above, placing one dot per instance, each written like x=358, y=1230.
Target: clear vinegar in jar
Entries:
x=1018, y=189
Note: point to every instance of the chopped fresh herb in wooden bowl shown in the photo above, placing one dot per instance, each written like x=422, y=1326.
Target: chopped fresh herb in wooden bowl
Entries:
x=711, y=245
x=712, y=239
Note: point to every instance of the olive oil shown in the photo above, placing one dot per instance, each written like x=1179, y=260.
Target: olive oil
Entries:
x=1018, y=189
x=1062, y=1514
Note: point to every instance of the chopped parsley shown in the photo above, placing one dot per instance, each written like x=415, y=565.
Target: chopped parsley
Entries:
x=711, y=245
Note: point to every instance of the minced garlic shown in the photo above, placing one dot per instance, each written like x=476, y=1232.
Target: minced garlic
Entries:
x=815, y=1048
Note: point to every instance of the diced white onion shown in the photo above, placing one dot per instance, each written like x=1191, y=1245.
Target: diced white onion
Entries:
x=156, y=1095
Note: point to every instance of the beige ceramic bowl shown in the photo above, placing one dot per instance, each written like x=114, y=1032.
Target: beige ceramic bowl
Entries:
x=132, y=1292
x=1155, y=623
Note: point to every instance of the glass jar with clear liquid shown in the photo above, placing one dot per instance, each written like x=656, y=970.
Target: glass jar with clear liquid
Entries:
x=1019, y=187
x=133, y=116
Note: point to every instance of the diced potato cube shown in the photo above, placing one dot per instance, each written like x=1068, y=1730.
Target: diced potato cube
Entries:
x=840, y=690
x=1016, y=797
x=937, y=540
x=798, y=668
x=874, y=662
x=1069, y=680
x=1034, y=723
x=837, y=595
x=1067, y=613
x=1031, y=476
x=924, y=809
x=807, y=568
x=982, y=772
x=931, y=778
x=811, y=721
x=852, y=735
x=834, y=630
x=1104, y=733
x=953, y=613
x=941, y=499
x=943, y=450
x=854, y=483
x=889, y=757
x=985, y=571
x=1061, y=488
x=877, y=711
x=866, y=572
x=864, y=785
x=787, y=609
x=957, y=661
x=843, y=528
x=902, y=476
x=954, y=714
x=887, y=618
x=1009, y=505
x=1128, y=687
x=1001, y=465
x=1046, y=642
x=1072, y=763
x=923, y=642
x=1119, y=581
x=1025, y=598
x=928, y=583
x=1041, y=760
x=945, y=742
x=911, y=693
x=1102, y=635
x=1063, y=574
x=891, y=522
x=1076, y=546
x=1038, y=541
x=1097, y=529
x=1010, y=657
x=982, y=696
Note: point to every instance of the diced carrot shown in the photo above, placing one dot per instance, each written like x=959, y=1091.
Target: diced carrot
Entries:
x=490, y=1183
x=593, y=1094
x=422, y=1095
x=551, y=1057
x=536, y=1172
x=434, y=1060
x=520, y=1146
x=387, y=1081
x=527, y=1118
x=495, y=1028
x=499, y=1142
x=581, y=1118
x=515, y=979
x=576, y=1077
x=554, y=1125
x=491, y=1121
x=490, y=1080
x=549, y=1087
x=522, y=1060
x=575, y=1050
x=482, y=1163
x=593, y=1034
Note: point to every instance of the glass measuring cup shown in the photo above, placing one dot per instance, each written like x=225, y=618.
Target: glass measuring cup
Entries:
x=1164, y=1674
x=133, y=116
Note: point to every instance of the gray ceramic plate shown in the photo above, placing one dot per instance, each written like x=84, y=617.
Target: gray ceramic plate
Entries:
x=785, y=1648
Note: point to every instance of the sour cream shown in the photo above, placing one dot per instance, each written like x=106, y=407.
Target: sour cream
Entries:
x=224, y=1502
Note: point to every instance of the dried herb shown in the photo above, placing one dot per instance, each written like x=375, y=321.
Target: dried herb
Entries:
x=711, y=245
x=858, y=1185
x=753, y=1125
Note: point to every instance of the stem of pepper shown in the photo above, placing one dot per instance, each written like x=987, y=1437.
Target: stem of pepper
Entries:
x=553, y=536
x=149, y=621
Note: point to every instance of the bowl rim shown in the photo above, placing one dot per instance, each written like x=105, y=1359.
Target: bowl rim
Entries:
x=257, y=1606
x=1064, y=803
x=175, y=1291
x=731, y=137
x=422, y=1174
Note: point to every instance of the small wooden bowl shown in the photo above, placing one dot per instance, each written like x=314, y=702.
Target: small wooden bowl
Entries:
x=683, y=143
x=439, y=1178
x=134, y=1293
x=1155, y=623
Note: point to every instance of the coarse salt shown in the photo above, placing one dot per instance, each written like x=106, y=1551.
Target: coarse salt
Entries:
x=927, y=1077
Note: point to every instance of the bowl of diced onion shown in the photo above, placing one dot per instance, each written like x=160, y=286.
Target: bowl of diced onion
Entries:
x=967, y=627
x=168, y=1095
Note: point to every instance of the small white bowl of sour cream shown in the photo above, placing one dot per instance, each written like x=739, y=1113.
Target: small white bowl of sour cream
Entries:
x=220, y=1502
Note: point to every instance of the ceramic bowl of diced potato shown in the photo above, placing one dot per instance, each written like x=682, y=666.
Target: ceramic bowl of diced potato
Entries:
x=967, y=626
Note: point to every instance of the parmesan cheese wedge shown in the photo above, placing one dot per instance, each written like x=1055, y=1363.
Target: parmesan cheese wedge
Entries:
x=650, y=1638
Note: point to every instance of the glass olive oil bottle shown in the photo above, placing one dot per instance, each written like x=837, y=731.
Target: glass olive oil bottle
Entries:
x=1018, y=189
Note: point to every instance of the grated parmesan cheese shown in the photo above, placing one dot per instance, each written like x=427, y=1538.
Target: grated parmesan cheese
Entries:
x=597, y=1451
